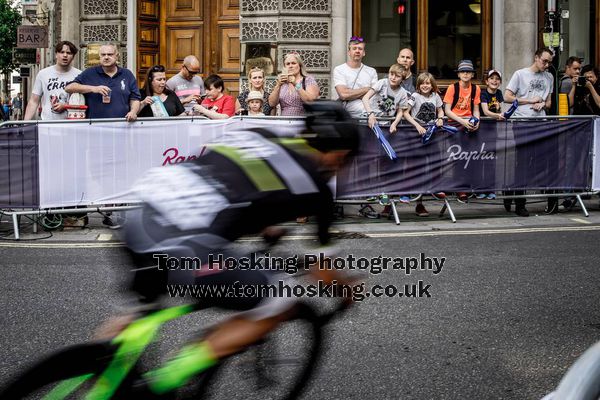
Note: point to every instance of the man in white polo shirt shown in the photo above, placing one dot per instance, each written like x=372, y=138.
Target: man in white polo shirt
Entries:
x=353, y=79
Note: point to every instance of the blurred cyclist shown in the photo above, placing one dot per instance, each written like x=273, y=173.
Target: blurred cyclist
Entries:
x=246, y=183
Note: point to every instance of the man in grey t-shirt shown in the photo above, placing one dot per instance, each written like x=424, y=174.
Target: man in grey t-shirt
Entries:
x=187, y=85
x=532, y=86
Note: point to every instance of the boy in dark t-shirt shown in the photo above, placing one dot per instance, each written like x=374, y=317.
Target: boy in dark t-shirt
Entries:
x=491, y=97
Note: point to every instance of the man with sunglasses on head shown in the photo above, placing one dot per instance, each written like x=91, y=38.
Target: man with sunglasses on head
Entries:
x=353, y=79
x=187, y=84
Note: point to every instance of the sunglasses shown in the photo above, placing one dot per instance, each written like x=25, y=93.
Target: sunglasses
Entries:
x=358, y=39
x=191, y=72
x=158, y=68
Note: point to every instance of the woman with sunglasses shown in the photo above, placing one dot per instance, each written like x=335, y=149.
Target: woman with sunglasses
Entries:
x=256, y=82
x=294, y=87
x=159, y=100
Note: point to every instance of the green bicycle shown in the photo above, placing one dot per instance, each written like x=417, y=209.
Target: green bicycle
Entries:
x=278, y=367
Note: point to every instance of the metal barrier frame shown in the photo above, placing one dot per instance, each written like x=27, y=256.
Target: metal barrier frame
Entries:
x=15, y=215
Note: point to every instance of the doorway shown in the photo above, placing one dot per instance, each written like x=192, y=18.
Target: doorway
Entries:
x=169, y=30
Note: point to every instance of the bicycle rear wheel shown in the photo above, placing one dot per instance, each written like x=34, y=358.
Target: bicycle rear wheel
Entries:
x=67, y=374
x=277, y=368
x=582, y=380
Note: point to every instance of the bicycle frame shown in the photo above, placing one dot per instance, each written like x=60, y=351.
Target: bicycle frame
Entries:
x=130, y=344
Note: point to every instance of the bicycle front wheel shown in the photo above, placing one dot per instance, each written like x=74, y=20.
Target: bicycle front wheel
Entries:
x=67, y=374
x=582, y=380
x=277, y=368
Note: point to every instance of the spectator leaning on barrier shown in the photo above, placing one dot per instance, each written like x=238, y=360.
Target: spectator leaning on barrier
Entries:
x=387, y=98
x=532, y=88
x=424, y=106
x=462, y=99
x=159, y=100
x=491, y=97
x=187, y=85
x=256, y=82
x=353, y=79
x=587, y=95
x=294, y=87
x=461, y=102
x=50, y=83
x=216, y=105
x=17, y=104
x=406, y=58
x=568, y=82
x=109, y=90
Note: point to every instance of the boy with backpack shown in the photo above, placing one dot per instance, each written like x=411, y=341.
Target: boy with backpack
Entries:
x=461, y=103
x=462, y=99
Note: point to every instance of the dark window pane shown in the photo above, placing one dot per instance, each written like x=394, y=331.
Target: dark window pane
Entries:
x=387, y=26
x=454, y=35
x=576, y=31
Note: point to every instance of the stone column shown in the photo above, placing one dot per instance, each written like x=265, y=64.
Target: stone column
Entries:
x=69, y=29
x=520, y=35
x=339, y=17
x=303, y=27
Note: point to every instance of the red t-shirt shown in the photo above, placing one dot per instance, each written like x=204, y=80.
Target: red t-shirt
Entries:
x=463, y=107
x=223, y=105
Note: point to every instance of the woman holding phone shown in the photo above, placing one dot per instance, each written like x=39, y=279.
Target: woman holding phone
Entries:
x=294, y=87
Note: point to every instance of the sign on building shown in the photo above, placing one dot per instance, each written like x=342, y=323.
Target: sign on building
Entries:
x=32, y=37
x=24, y=56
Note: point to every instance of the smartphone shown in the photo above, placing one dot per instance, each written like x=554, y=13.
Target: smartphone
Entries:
x=581, y=81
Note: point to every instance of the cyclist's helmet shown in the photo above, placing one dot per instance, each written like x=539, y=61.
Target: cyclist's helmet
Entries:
x=330, y=127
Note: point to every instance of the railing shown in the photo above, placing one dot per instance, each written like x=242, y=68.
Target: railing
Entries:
x=405, y=142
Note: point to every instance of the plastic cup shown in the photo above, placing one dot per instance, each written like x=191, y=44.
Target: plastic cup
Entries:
x=106, y=98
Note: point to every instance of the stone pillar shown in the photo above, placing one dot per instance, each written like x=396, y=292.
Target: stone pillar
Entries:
x=339, y=20
x=103, y=21
x=520, y=35
x=69, y=27
x=303, y=27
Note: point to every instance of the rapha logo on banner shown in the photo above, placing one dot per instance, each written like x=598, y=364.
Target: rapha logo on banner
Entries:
x=457, y=154
x=172, y=156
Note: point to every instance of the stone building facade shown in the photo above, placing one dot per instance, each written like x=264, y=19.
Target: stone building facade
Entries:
x=316, y=29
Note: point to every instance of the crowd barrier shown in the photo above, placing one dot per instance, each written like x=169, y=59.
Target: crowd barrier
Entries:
x=46, y=166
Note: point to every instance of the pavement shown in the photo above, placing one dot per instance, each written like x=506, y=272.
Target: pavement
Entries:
x=473, y=216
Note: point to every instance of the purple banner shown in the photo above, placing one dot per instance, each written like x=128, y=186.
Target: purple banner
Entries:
x=19, y=173
x=508, y=155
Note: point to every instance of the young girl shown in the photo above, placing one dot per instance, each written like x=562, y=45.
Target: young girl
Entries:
x=424, y=106
x=255, y=103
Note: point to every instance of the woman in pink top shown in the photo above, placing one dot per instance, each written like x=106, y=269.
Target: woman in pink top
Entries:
x=293, y=87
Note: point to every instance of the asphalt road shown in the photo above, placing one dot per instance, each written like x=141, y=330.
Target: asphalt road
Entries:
x=507, y=315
